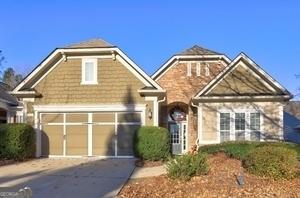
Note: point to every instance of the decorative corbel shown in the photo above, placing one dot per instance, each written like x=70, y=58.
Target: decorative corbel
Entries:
x=64, y=56
x=113, y=55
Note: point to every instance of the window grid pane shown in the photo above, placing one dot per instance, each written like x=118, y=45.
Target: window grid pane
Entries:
x=240, y=121
x=255, y=121
x=224, y=127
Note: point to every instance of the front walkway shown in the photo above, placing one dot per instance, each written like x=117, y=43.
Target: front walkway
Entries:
x=68, y=177
x=141, y=172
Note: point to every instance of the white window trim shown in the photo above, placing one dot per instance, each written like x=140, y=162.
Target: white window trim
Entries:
x=95, y=62
x=232, y=123
x=189, y=69
x=198, y=69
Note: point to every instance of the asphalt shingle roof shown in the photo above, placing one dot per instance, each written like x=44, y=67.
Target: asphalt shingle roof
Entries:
x=197, y=50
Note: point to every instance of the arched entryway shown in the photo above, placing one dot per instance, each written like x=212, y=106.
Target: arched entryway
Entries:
x=178, y=127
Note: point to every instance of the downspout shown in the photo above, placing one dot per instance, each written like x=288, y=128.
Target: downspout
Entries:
x=197, y=141
x=162, y=100
x=159, y=101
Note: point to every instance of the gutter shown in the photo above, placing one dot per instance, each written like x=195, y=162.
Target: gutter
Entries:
x=197, y=140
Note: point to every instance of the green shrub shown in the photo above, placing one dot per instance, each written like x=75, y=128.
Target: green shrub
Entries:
x=152, y=143
x=186, y=166
x=272, y=161
x=241, y=149
x=237, y=150
x=17, y=141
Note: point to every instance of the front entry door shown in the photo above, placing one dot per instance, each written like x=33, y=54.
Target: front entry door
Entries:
x=178, y=132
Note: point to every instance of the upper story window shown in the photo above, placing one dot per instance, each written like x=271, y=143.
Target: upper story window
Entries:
x=89, y=71
x=189, y=69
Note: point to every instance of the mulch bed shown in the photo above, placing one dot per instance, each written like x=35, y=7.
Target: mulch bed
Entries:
x=146, y=163
x=220, y=182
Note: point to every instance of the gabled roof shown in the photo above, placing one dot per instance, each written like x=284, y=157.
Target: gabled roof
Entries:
x=90, y=46
x=193, y=53
x=197, y=50
x=91, y=43
x=266, y=78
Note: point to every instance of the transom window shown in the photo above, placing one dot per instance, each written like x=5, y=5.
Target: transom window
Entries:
x=89, y=71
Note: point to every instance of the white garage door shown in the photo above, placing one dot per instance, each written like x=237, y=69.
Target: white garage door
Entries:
x=89, y=134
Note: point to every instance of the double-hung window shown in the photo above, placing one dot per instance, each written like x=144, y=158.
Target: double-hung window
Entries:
x=240, y=126
x=89, y=71
x=254, y=126
x=225, y=126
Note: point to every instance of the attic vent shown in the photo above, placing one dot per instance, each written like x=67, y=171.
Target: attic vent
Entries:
x=207, y=69
x=189, y=69
x=198, y=69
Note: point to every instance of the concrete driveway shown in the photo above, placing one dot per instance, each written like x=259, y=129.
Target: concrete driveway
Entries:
x=68, y=177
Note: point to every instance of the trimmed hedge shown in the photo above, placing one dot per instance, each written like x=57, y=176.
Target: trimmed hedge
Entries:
x=186, y=166
x=240, y=149
x=272, y=161
x=152, y=143
x=236, y=150
x=17, y=141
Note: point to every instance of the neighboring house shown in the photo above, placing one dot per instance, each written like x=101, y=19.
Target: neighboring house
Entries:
x=9, y=110
x=87, y=99
x=292, y=122
x=212, y=99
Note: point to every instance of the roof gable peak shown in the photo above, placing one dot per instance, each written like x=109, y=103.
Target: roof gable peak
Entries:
x=91, y=43
x=198, y=50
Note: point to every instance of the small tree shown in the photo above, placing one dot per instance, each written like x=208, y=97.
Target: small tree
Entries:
x=11, y=78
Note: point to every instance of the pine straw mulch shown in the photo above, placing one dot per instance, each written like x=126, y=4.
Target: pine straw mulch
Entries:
x=220, y=182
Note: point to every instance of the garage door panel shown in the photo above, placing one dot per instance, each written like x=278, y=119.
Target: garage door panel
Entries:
x=77, y=117
x=77, y=140
x=129, y=117
x=125, y=139
x=52, y=140
x=103, y=117
x=52, y=118
x=104, y=140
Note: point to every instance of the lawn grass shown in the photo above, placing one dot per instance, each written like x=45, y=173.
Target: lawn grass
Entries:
x=240, y=149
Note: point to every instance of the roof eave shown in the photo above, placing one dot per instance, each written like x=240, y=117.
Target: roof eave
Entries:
x=242, y=98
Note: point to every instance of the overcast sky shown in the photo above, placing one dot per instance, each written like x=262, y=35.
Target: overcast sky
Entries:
x=150, y=32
